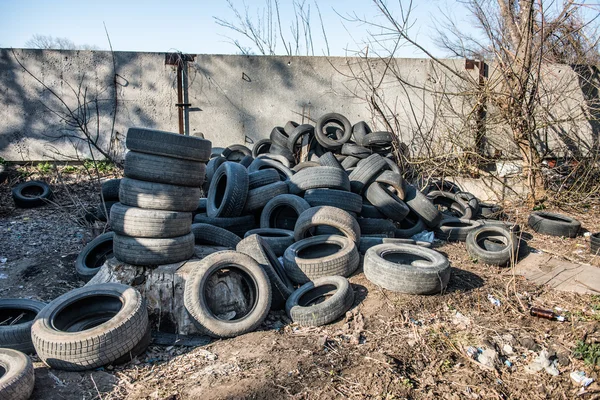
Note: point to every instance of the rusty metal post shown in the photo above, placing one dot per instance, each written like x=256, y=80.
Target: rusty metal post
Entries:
x=180, y=60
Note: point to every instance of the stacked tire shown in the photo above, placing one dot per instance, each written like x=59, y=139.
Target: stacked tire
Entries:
x=163, y=175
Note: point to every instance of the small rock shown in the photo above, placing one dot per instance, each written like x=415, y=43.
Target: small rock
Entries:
x=563, y=359
x=322, y=341
x=529, y=344
x=507, y=350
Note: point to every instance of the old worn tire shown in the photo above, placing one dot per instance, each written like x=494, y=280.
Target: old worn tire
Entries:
x=161, y=169
x=329, y=160
x=261, y=147
x=366, y=242
x=16, y=334
x=259, y=197
x=17, y=377
x=553, y=224
x=472, y=201
x=146, y=223
x=374, y=226
x=297, y=133
x=347, y=201
x=279, y=136
x=441, y=185
x=305, y=164
x=355, y=150
x=319, y=177
x=236, y=152
x=228, y=191
x=455, y=205
x=110, y=189
x=377, y=139
x=168, y=144
x=595, y=243
x=368, y=210
x=290, y=126
x=195, y=299
x=359, y=131
x=283, y=211
x=490, y=211
x=277, y=239
x=282, y=154
x=320, y=256
x=455, y=229
x=206, y=234
x=407, y=268
x=394, y=180
x=365, y=172
x=387, y=202
x=211, y=168
x=257, y=247
x=158, y=196
x=337, y=119
x=410, y=226
x=93, y=255
x=237, y=225
x=329, y=216
x=262, y=178
x=350, y=162
x=421, y=206
x=152, y=251
x=300, y=309
x=89, y=327
x=31, y=194
x=264, y=163
x=498, y=254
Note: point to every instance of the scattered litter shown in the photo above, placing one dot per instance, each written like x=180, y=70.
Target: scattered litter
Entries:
x=542, y=362
x=472, y=351
x=547, y=314
x=507, y=350
x=587, y=234
x=494, y=300
x=461, y=321
x=487, y=357
x=581, y=378
x=508, y=363
x=424, y=236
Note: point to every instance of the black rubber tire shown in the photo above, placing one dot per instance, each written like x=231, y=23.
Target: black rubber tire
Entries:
x=264, y=163
x=319, y=177
x=277, y=158
x=299, y=307
x=161, y=169
x=454, y=205
x=258, y=248
x=441, y=185
x=325, y=140
x=490, y=211
x=110, y=189
x=205, y=234
x=31, y=194
x=370, y=211
x=328, y=216
x=228, y=191
x=511, y=226
x=89, y=327
x=366, y=171
x=195, y=299
x=277, y=151
x=455, y=229
x=297, y=133
x=17, y=317
x=373, y=226
x=393, y=165
x=262, y=178
x=259, y=197
x=236, y=225
x=472, y=201
x=410, y=226
x=350, y=162
x=18, y=379
x=416, y=270
x=329, y=160
x=346, y=201
x=283, y=211
x=211, y=168
x=387, y=202
x=279, y=137
x=354, y=150
x=152, y=251
x=595, y=243
x=168, y=144
x=290, y=126
x=421, y=206
x=366, y=242
x=277, y=239
x=359, y=131
x=201, y=206
x=236, y=152
x=394, y=180
x=553, y=224
x=343, y=260
x=246, y=161
x=305, y=164
x=158, y=196
x=497, y=254
x=93, y=255
x=377, y=140
x=146, y=223
x=261, y=147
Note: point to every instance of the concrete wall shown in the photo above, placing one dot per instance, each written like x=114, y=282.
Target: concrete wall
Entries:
x=235, y=99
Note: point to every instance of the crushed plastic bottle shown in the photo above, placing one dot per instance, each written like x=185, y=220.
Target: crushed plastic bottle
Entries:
x=581, y=378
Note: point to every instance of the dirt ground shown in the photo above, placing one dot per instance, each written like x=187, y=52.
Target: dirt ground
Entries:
x=389, y=346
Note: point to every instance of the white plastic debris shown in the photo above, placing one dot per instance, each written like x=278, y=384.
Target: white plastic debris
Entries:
x=488, y=357
x=493, y=300
x=581, y=378
x=424, y=236
x=3, y=260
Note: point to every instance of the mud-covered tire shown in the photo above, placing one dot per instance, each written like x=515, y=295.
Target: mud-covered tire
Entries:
x=237, y=225
x=387, y=202
x=365, y=172
x=321, y=135
x=283, y=211
x=195, y=299
x=422, y=206
x=146, y=223
x=319, y=177
x=158, y=196
x=277, y=239
x=407, y=268
x=161, y=169
x=93, y=255
x=342, y=199
x=17, y=317
x=89, y=327
x=257, y=247
x=110, y=189
x=153, y=251
x=303, y=260
x=206, y=234
x=553, y=224
x=455, y=229
x=228, y=191
x=262, y=178
x=31, y=194
x=168, y=144
x=495, y=254
x=18, y=377
x=328, y=216
x=300, y=310
x=259, y=197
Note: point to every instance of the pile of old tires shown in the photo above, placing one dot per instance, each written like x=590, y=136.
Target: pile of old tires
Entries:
x=163, y=175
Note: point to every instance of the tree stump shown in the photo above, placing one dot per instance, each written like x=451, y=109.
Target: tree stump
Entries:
x=163, y=288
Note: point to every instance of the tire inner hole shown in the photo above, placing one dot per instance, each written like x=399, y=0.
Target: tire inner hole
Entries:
x=2, y=371
x=32, y=191
x=283, y=217
x=319, y=250
x=12, y=316
x=334, y=131
x=87, y=313
x=97, y=257
x=230, y=294
x=406, y=259
x=317, y=295
x=220, y=191
x=492, y=241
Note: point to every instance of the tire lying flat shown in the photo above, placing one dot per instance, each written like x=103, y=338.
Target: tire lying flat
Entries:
x=553, y=224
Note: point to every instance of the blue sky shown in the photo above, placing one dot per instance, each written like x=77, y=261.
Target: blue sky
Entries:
x=189, y=26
